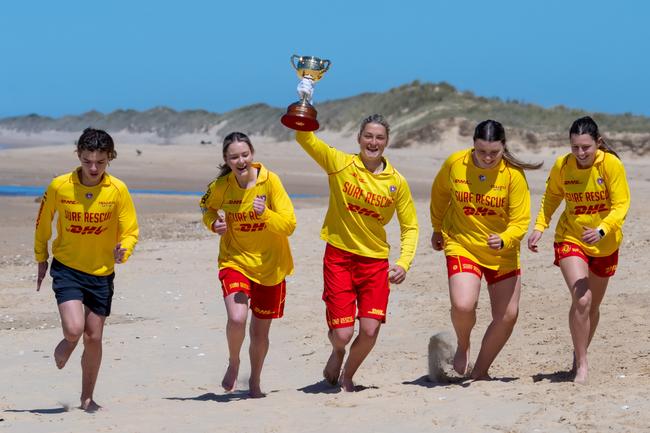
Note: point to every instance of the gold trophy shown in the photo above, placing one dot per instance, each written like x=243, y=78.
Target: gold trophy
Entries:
x=301, y=115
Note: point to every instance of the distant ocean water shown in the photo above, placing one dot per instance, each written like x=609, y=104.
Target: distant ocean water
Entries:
x=35, y=191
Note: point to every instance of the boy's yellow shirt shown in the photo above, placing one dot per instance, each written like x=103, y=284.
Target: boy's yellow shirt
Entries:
x=91, y=221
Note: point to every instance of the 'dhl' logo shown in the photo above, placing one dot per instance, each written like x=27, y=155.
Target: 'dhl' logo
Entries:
x=87, y=230
x=363, y=211
x=480, y=211
x=252, y=227
x=590, y=210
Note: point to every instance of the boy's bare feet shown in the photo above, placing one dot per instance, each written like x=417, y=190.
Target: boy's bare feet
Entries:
x=62, y=353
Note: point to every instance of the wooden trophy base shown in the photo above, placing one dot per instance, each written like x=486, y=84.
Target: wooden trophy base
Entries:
x=300, y=116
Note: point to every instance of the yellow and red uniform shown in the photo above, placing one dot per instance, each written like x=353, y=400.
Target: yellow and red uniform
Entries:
x=361, y=203
x=596, y=197
x=92, y=220
x=468, y=203
x=255, y=245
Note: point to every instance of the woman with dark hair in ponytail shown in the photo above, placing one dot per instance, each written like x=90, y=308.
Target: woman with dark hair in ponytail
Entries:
x=480, y=210
x=249, y=208
x=591, y=179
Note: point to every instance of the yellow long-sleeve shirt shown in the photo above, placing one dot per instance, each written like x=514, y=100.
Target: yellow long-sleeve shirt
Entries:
x=595, y=197
x=469, y=203
x=255, y=245
x=91, y=221
x=362, y=203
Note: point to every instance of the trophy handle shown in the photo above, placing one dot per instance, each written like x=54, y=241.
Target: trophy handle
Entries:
x=326, y=67
x=294, y=65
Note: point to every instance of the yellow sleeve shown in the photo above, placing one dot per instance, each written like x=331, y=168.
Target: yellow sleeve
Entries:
x=552, y=197
x=619, y=193
x=44, y=219
x=518, y=210
x=440, y=196
x=207, y=205
x=328, y=157
x=408, y=224
x=282, y=219
x=128, y=230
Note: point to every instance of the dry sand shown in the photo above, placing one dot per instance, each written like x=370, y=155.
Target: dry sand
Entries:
x=165, y=349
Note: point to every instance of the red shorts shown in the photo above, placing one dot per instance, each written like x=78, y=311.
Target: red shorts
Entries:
x=352, y=280
x=267, y=302
x=604, y=267
x=458, y=264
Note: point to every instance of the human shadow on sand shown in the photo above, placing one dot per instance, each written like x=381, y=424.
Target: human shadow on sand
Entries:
x=465, y=382
x=50, y=411
x=425, y=382
x=322, y=387
x=555, y=377
x=219, y=398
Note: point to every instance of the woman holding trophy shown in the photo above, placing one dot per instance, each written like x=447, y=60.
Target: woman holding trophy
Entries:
x=365, y=192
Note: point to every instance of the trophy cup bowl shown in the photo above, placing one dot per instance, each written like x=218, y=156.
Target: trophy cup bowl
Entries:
x=301, y=115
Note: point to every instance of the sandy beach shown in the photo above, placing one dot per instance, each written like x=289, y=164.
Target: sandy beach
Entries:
x=164, y=345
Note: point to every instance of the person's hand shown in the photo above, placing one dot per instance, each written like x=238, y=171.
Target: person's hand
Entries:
x=119, y=253
x=259, y=205
x=591, y=236
x=437, y=241
x=495, y=242
x=396, y=274
x=219, y=225
x=42, y=270
x=306, y=88
x=534, y=237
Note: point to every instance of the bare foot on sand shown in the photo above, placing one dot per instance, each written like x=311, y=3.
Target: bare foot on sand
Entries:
x=581, y=376
x=62, y=353
x=346, y=383
x=461, y=361
x=229, y=381
x=254, y=390
x=481, y=377
x=89, y=405
x=332, y=369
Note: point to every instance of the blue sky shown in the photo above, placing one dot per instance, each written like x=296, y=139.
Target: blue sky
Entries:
x=67, y=57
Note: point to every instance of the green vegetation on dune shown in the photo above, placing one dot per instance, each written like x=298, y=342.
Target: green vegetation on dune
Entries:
x=420, y=112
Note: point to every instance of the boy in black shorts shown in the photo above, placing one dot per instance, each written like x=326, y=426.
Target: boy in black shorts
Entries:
x=96, y=228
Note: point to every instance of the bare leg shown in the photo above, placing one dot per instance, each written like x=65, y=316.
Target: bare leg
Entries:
x=339, y=337
x=504, y=301
x=598, y=287
x=91, y=359
x=72, y=323
x=464, y=290
x=259, y=334
x=361, y=347
x=576, y=275
x=237, y=310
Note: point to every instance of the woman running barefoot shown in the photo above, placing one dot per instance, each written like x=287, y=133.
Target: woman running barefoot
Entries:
x=249, y=208
x=480, y=210
x=592, y=182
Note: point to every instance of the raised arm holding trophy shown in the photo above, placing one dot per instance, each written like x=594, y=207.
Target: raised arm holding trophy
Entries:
x=366, y=191
x=301, y=115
